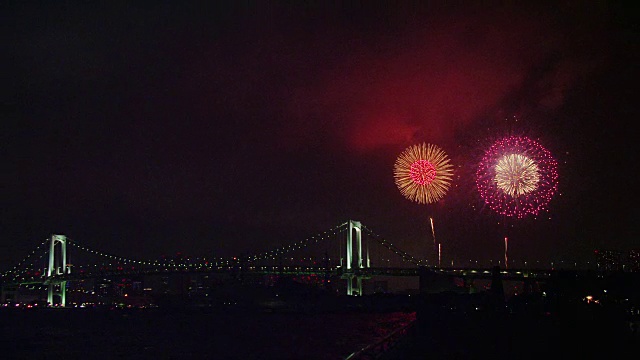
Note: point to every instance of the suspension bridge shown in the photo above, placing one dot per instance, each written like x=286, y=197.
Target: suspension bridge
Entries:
x=351, y=252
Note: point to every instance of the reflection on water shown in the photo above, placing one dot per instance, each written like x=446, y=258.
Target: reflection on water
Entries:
x=190, y=334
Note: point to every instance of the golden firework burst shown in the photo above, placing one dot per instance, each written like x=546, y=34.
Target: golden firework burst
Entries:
x=423, y=173
x=516, y=174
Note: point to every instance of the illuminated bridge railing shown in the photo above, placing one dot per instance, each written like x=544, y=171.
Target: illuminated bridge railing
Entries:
x=505, y=274
x=232, y=270
x=468, y=273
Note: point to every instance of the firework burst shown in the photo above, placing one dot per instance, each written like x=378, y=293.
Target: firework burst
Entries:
x=423, y=173
x=517, y=176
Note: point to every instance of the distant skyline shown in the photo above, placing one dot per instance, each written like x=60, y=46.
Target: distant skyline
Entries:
x=223, y=128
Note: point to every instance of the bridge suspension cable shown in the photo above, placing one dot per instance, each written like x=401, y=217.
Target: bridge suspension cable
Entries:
x=403, y=254
x=113, y=257
x=154, y=263
x=14, y=271
x=274, y=253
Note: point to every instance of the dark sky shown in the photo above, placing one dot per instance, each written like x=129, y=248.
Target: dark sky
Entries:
x=145, y=129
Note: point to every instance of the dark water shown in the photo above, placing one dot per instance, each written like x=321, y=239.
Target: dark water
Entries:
x=578, y=331
x=189, y=334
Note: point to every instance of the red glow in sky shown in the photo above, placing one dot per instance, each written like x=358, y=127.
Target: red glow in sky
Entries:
x=435, y=78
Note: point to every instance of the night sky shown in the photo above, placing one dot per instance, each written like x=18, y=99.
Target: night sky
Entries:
x=145, y=129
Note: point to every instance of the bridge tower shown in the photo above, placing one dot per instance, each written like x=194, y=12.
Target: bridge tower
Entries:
x=58, y=265
x=354, y=265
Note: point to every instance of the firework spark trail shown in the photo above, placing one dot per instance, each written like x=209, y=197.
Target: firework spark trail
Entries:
x=506, y=259
x=433, y=232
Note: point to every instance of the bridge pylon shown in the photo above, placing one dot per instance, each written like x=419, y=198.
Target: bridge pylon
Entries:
x=58, y=265
x=355, y=263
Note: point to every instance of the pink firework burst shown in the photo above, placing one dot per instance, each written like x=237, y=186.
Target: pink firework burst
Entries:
x=422, y=172
x=517, y=177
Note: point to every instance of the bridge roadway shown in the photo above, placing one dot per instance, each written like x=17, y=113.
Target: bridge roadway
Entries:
x=465, y=273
